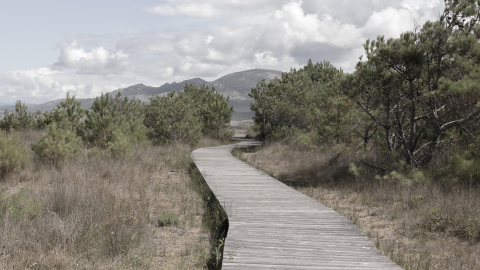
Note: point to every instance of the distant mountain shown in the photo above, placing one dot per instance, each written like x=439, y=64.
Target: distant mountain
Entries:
x=235, y=85
x=144, y=92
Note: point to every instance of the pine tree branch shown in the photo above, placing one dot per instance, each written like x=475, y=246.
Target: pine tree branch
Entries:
x=375, y=167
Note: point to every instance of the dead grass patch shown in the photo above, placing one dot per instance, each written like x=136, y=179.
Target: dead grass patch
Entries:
x=97, y=213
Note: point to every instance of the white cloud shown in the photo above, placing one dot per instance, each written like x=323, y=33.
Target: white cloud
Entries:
x=267, y=61
x=230, y=39
x=189, y=9
x=28, y=84
x=292, y=33
x=421, y=5
x=93, y=61
x=217, y=8
x=201, y=53
x=44, y=84
x=424, y=10
x=390, y=22
x=291, y=27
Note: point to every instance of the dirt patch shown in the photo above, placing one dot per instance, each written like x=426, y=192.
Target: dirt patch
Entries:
x=185, y=246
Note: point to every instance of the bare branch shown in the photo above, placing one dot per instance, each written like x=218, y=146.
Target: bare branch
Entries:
x=369, y=114
x=375, y=167
x=459, y=121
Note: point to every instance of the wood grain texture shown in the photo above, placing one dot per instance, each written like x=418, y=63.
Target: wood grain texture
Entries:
x=272, y=226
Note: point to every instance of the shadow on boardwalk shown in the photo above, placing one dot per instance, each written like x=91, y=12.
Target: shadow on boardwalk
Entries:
x=273, y=226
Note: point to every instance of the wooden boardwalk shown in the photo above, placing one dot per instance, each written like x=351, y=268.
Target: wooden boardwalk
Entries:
x=274, y=226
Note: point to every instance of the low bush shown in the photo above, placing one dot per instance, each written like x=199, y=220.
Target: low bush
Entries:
x=13, y=153
x=59, y=144
x=460, y=227
x=168, y=220
x=19, y=206
x=463, y=168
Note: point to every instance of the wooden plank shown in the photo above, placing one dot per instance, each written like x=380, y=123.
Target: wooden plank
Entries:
x=274, y=226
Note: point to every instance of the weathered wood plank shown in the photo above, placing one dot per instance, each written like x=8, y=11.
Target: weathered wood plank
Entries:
x=272, y=226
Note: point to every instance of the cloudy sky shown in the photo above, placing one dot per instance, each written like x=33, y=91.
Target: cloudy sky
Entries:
x=88, y=47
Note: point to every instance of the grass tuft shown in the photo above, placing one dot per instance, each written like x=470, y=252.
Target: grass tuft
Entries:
x=168, y=220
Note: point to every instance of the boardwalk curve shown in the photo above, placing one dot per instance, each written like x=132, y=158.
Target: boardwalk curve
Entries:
x=272, y=226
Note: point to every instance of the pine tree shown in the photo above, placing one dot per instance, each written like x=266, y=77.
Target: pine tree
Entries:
x=176, y=119
x=423, y=85
x=186, y=116
x=302, y=101
x=130, y=108
x=72, y=111
x=113, y=125
x=213, y=109
x=216, y=118
x=19, y=120
x=59, y=144
x=102, y=120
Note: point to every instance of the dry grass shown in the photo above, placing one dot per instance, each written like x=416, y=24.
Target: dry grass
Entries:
x=419, y=226
x=96, y=213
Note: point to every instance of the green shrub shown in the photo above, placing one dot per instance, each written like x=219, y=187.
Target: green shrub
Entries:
x=130, y=108
x=71, y=110
x=112, y=125
x=463, y=168
x=43, y=119
x=168, y=220
x=102, y=120
x=135, y=131
x=19, y=206
x=131, y=132
x=409, y=176
x=304, y=99
x=58, y=144
x=119, y=145
x=305, y=141
x=21, y=119
x=13, y=153
x=186, y=116
x=175, y=119
x=213, y=109
x=252, y=132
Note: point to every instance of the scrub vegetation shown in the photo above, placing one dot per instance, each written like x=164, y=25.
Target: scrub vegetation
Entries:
x=110, y=187
x=394, y=146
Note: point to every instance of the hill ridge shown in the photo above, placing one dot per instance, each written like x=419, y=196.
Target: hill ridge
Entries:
x=236, y=85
